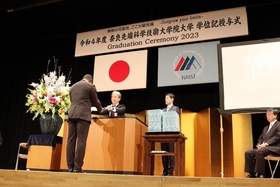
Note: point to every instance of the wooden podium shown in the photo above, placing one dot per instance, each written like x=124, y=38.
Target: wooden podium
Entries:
x=114, y=145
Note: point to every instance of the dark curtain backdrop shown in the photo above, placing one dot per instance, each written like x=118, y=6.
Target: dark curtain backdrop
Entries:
x=29, y=38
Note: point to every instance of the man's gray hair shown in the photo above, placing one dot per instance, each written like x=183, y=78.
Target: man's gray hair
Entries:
x=118, y=93
x=274, y=111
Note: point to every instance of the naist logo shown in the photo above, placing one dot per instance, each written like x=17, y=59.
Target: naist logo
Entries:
x=188, y=64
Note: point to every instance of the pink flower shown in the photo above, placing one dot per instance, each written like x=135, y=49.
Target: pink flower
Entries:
x=34, y=99
x=52, y=100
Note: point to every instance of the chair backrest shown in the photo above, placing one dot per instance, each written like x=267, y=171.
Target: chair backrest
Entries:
x=19, y=154
x=23, y=145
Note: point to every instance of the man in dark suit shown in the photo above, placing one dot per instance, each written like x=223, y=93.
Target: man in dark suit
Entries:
x=83, y=96
x=268, y=143
x=115, y=109
x=168, y=162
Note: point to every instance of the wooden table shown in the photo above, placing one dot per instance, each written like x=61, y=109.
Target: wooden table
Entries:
x=179, y=151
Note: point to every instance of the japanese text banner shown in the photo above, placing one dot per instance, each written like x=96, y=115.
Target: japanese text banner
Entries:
x=189, y=28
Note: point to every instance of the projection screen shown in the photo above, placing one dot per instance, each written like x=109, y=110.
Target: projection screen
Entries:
x=249, y=76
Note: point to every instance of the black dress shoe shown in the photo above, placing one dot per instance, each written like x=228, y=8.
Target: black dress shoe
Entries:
x=70, y=170
x=77, y=171
x=251, y=176
x=261, y=176
x=165, y=172
x=170, y=171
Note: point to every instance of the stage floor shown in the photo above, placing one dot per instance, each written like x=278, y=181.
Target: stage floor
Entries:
x=19, y=178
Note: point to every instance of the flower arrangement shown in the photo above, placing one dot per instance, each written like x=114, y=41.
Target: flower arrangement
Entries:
x=51, y=95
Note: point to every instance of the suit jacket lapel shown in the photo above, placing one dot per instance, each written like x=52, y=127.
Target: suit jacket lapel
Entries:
x=271, y=129
x=170, y=108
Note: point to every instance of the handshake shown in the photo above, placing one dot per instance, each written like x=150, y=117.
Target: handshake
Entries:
x=110, y=107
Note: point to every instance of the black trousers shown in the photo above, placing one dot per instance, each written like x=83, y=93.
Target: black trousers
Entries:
x=76, y=143
x=254, y=160
x=168, y=162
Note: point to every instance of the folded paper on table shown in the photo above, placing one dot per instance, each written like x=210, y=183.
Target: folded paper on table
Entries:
x=158, y=151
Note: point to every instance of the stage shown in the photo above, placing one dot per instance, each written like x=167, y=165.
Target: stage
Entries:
x=19, y=178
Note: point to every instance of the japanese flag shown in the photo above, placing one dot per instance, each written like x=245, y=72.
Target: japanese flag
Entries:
x=121, y=71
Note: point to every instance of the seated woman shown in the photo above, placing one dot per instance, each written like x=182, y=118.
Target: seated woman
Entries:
x=115, y=109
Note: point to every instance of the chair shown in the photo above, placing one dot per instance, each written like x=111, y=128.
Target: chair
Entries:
x=273, y=158
x=19, y=154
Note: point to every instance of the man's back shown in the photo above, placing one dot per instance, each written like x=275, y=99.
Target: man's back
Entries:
x=83, y=96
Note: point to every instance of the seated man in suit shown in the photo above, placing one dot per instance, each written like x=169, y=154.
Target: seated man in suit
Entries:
x=115, y=109
x=268, y=143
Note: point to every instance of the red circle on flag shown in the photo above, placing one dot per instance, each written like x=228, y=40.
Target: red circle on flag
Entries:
x=119, y=71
